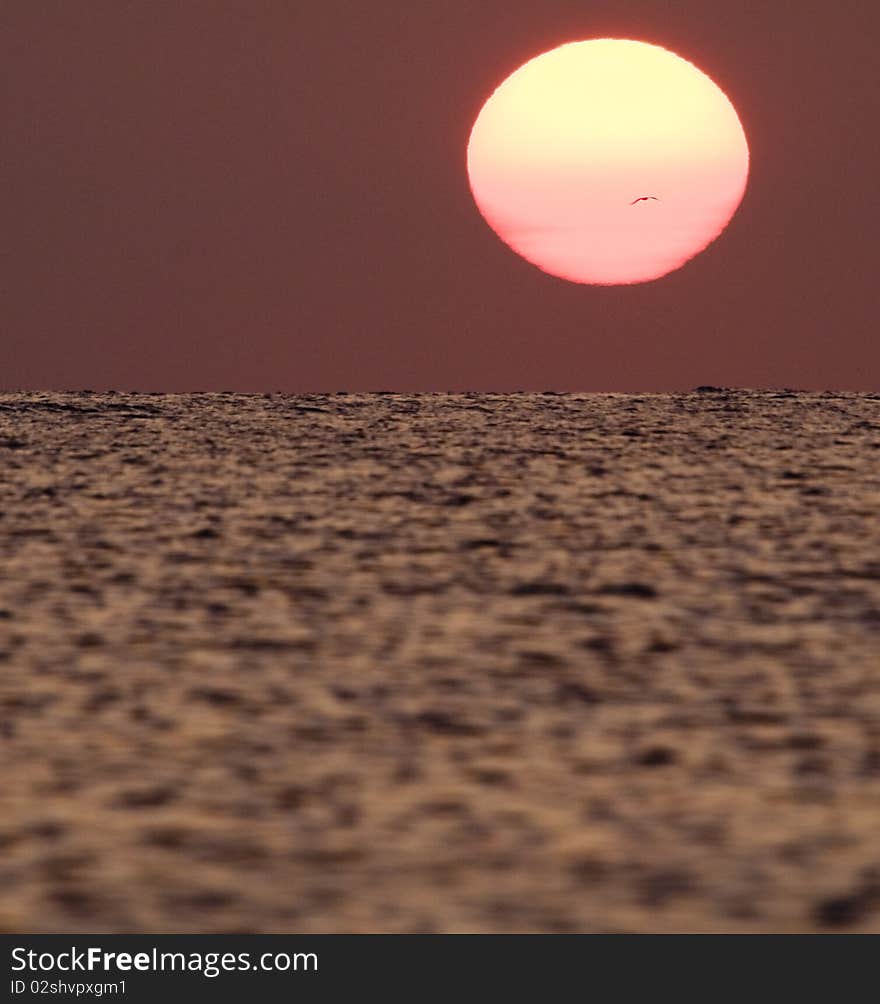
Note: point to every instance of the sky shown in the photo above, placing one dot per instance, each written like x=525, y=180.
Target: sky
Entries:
x=273, y=196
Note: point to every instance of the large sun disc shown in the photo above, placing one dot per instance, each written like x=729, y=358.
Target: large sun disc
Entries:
x=608, y=161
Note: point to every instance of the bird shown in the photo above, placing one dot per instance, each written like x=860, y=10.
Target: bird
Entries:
x=644, y=198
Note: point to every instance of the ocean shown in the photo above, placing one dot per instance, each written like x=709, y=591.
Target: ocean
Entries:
x=440, y=662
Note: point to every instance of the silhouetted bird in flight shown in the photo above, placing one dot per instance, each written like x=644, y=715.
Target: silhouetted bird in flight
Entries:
x=644, y=198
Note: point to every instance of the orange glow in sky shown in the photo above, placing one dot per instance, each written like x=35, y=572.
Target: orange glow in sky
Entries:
x=564, y=146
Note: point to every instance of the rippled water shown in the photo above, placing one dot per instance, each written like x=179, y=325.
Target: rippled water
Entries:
x=440, y=662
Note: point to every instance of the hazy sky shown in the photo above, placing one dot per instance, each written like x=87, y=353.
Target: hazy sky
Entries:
x=272, y=196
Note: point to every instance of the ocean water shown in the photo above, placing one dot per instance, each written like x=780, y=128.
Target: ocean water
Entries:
x=440, y=662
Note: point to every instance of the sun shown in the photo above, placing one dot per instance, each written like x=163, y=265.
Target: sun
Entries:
x=608, y=161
